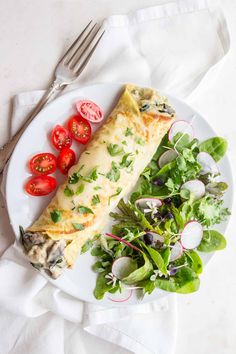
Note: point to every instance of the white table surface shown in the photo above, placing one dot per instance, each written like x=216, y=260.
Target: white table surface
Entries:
x=33, y=34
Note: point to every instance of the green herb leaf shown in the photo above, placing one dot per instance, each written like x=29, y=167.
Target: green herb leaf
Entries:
x=118, y=191
x=55, y=215
x=128, y=132
x=126, y=162
x=114, y=174
x=115, y=150
x=95, y=199
x=74, y=178
x=101, y=286
x=141, y=273
x=124, y=142
x=80, y=189
x=139, y=141
x=97, y=188
x=84, y=210
x=157, y=258
x=212, y=241
x=86, y=246
x=195, y=262
x=78, y=226
x=68, y=192
x=216, y=147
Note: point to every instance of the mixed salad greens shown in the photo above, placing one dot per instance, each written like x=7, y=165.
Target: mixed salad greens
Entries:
x=158, y=233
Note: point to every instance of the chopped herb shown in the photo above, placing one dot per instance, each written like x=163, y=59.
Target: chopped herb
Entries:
x=80, y=189
x=115, y=150
x=128, y=132
x=125, y=162
x=92, y=176
x=74, y=178
x=95, y=199
x=97, y=188
x=139, y=141
x=87, y=153
x=84, y=210
x=114, y=173
x=78, y=226
x=68, y=192
x=124, y=142
x=118, y=191
x=136, y=152
x=55, y=215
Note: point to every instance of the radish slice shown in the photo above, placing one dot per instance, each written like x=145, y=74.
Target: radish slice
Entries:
x=181, y=126
x=142, y=203
x=196, y=187
x=192, y=235
x=156, y=237
x=125, y=295
x=176, y=251
x=208, y=163
x=123, y=266
x=167, y=157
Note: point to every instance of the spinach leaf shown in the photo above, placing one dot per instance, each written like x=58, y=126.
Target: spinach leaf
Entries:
x=185, y=281
x=101, y=286
x=195, y=262
x=216, y=147
x=141, y=273
x=212, y=241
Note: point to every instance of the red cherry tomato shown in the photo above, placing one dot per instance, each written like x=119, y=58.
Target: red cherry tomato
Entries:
x=61, y=138
x=65, y=160
x=80, y=129
x=40, y=185
x=43, y=164
x=90, y=111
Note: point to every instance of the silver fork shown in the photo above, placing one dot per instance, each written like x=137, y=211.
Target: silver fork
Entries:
x=66, y=72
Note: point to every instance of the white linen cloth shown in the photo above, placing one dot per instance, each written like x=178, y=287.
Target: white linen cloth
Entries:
x=171, y=47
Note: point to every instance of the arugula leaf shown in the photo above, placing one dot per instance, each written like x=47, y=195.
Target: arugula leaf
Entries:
x=212, y=241
x=115, y=150
x=78, y=226
x=95, y=199
x=216, y=147
x=141, y=273
x=84, y=210
x=55, y=216
x=80, y=189
x=68, y=192
x=128, y=132
x=114, y=173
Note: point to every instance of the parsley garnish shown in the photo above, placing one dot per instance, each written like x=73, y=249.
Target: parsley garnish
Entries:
x=125, y=162
x=140, y=141
x=95, y=199
x=92, y=176
x=124, y=142
x=68, y=192
x=115, y=149
x=97, y=188
x=74, y=178
x=84, y=210
x=78, y=226
x=128, y=132
x=118, y=191
x=114, y=173
x=55, y=215
x=80, y=189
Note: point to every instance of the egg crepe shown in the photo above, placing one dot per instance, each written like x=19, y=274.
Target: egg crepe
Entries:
x=106, y=171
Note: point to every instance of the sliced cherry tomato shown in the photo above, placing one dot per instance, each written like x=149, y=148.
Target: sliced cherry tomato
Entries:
x=43, y=164
x=61, y=137
x=40, y=185
x=80, y=129
x=90, y=111
x=65, y=160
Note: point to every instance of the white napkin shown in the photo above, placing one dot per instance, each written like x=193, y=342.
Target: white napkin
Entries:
x=170, y=47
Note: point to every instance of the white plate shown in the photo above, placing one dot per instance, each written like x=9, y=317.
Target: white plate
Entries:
x=23, y=209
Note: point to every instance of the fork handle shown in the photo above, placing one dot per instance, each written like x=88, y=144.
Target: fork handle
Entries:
x=7, y=149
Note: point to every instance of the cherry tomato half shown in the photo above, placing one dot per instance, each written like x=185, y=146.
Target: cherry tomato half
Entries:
x=90, y=111
x=43, y=164
x=40, y=185
x=65, y=160
x=80, y=129
x=61, y=137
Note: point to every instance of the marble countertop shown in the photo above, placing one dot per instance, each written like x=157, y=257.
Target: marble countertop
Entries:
x=28, y=53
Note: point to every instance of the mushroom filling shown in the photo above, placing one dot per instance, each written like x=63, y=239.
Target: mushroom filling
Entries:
x=44, y=253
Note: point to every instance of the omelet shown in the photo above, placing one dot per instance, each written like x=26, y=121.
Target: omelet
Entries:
x=106, y=171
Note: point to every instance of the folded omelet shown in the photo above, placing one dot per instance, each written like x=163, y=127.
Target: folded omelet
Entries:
x=106, y=171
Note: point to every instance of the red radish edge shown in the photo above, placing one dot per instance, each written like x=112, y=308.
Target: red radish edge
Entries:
x=181, y=120
x=180, y=254
x=122, y=300
x=122, y=240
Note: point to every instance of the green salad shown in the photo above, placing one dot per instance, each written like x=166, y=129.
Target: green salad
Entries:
x=159, y=233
